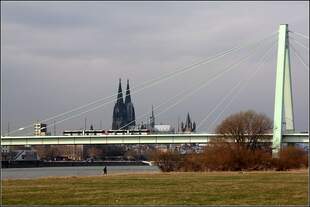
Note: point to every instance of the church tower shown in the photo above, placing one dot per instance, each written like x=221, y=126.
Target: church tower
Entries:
x=130, y=110
x=119, y=111
x=189, y=126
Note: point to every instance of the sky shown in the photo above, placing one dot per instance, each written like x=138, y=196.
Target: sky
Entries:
x=57, y=56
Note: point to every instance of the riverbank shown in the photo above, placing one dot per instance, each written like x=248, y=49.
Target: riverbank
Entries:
x=41, y=172
x=181, y=188
x=40, y=163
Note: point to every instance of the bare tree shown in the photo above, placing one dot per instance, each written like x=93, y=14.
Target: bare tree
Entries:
x=246, y=128
x=94, y=152
x=50, y=152
x=168, y=161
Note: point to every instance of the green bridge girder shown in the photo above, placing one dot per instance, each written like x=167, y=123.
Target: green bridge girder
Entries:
x=134, y=139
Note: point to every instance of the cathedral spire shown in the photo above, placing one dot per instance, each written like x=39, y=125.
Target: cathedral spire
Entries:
x=120, y=93
x=127, y=98
x=152, y=111
x=188, y=120
x=130, y=110
x=188, y=126
x=152, y=119
x=119, y=111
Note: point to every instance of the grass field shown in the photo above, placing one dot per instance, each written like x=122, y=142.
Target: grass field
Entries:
x=261, y=188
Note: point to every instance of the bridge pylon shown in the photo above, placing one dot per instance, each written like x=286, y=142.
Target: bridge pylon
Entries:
x=283, y=105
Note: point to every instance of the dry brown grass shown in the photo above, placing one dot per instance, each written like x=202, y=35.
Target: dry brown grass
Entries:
x=180, y=188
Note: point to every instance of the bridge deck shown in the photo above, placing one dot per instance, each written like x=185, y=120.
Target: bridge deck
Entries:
x=133, y=139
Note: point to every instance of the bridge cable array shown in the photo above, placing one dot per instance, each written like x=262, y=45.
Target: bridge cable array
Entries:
x=297, y=54
x=300, y=58
x=299, y=43
x=228, y=69
x=241, y=87
x=258, y=68
x=205, y=83
x=299, y=34
x=152, y=82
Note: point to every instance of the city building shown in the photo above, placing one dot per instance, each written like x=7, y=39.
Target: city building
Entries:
x=163, y=128
x=26, y=155
x=123, y=112
x=157, y=128
x=40, y=129
x=5, y=149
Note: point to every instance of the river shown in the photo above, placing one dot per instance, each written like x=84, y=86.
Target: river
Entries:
x=22, y=173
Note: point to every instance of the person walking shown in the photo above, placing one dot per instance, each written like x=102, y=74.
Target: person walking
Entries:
x=105, y=171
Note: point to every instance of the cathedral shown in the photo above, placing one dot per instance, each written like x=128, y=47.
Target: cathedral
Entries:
x=123, y=112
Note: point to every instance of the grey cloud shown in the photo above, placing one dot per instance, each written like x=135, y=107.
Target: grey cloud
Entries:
x=58, y=55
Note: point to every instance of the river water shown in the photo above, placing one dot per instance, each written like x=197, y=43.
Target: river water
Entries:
x=21, y=173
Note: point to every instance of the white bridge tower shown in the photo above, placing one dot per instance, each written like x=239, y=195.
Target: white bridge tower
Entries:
x=283, y=106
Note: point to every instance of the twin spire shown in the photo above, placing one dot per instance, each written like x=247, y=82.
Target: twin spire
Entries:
x=120, y=93
x=124, y=112
x=127, y=98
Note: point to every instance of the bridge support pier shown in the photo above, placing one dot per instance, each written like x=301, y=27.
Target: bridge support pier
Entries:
x=283, y=93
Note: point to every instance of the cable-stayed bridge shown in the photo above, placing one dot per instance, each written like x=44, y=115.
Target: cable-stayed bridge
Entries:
x=283, y=129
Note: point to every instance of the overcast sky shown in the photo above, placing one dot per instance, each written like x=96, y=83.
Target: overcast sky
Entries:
x=56, y=56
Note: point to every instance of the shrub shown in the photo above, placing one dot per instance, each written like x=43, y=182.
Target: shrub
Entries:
x=167, y=161
x=193, y=162
x=224, y=156
x=291, y=158
x=231, y=156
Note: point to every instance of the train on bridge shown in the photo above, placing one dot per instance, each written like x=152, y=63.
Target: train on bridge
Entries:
x=106, y=132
